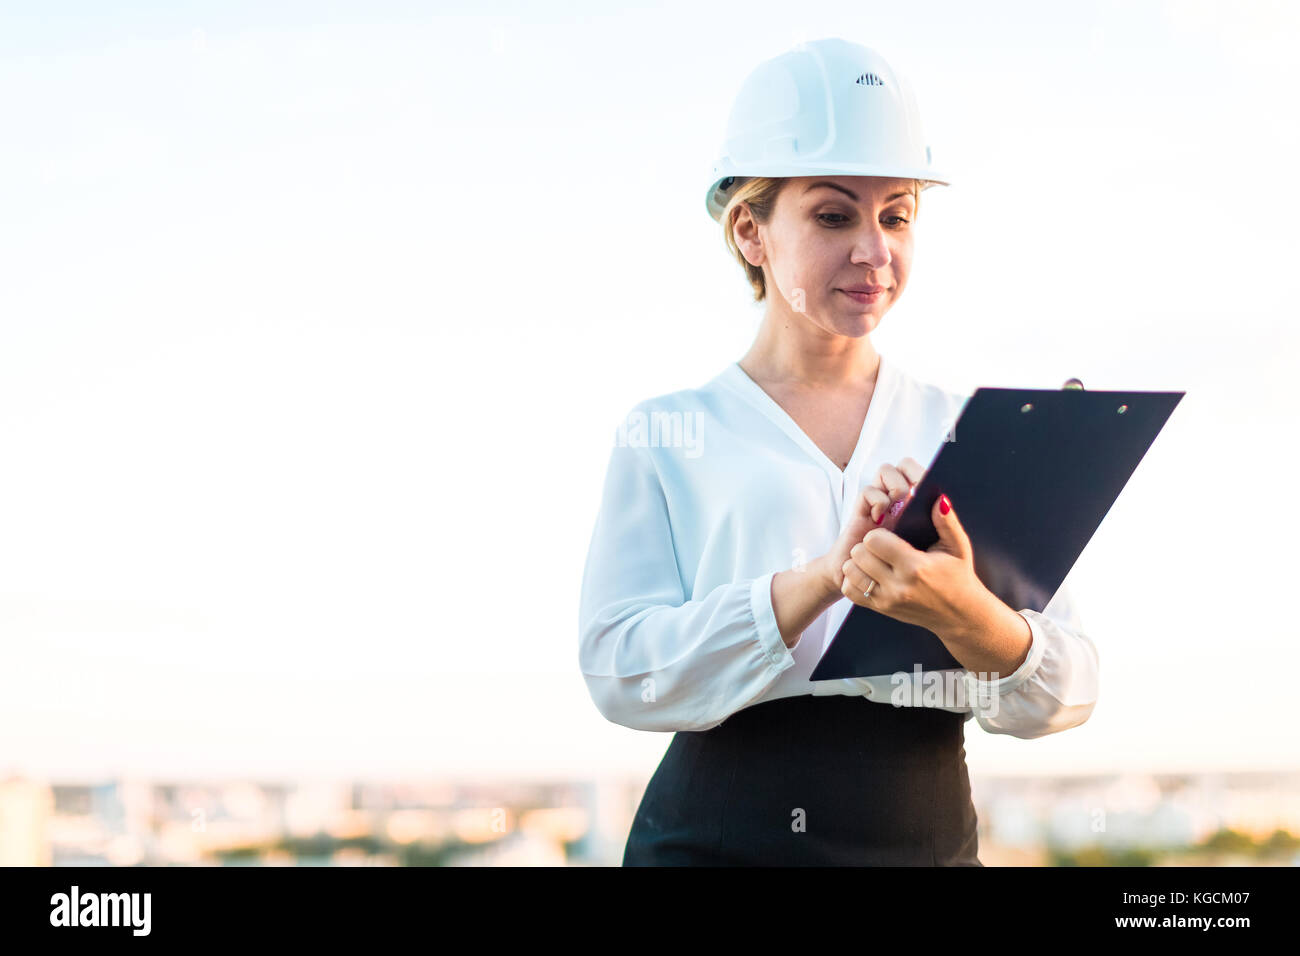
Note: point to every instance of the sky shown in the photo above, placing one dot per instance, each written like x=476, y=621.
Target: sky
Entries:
x=317, y=320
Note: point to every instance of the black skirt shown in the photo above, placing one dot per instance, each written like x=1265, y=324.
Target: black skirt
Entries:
x=812, y=781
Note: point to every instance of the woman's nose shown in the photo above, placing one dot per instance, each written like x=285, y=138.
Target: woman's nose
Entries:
x=872, y=248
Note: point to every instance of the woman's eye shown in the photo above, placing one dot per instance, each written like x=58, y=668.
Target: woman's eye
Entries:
x=840, y=219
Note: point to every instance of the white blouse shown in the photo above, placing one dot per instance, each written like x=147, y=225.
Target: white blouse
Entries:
x=710, y=492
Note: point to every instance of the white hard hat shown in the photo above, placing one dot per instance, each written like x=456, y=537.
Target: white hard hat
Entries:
x=826, y=107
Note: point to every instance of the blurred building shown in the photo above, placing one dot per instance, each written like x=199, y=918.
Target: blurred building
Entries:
x=1023, y=820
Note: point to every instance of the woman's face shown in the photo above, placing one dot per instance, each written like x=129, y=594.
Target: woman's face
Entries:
x=832, y=235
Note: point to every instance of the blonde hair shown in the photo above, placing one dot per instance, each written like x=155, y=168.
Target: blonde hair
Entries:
x=761, y=192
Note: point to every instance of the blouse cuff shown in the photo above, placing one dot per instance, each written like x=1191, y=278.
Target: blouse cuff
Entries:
x=769, y=634
x=985, y=689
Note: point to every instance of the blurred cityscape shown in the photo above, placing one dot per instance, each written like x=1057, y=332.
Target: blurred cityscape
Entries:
x=1227, y=819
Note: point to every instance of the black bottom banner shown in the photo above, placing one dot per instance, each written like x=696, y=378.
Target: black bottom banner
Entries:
x=335, y=904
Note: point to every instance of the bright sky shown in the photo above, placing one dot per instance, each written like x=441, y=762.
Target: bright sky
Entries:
x=317, y=324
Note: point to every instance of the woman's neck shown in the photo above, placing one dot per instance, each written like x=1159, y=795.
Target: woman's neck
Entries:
x=793, y=351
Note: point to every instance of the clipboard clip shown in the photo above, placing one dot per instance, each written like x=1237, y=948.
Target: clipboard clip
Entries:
x=1073, y=384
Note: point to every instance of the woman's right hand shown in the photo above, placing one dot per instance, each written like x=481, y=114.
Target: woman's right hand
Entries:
x=893, y=483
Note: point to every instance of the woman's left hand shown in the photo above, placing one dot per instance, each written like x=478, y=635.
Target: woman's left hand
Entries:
x=936, y=588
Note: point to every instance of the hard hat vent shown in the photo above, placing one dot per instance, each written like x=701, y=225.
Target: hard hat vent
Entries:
x=869, y=79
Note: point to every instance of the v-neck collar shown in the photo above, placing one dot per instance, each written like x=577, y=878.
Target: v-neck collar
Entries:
x=886, y=384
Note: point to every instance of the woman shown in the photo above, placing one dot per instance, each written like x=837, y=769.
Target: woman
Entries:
x=739, y=523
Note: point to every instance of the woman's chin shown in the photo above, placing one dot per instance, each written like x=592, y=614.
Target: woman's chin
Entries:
x=863, y=323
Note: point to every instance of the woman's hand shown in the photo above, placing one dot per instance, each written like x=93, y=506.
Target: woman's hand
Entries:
x=892, y=484
x=936, y=588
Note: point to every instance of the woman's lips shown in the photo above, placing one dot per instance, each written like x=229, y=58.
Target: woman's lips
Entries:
x=863, y=298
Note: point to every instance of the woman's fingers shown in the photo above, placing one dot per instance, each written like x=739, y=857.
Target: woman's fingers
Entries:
x=875, y=502
x=861, y=569
x=893, y=481
x=868, y=561
x=854, y=586
x=912, y=469
x=899, y=480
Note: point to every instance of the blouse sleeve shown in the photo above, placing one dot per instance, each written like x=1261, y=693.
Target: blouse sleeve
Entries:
x=1056, y=686
x=653, y=660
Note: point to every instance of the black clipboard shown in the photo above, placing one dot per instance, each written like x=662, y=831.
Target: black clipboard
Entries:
x=1032, y=472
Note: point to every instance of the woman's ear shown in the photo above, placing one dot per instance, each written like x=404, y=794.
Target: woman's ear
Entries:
x=748, y=239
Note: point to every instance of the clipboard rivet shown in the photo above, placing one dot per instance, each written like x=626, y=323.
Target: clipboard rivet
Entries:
x=1122, y=409
x=1027, y=407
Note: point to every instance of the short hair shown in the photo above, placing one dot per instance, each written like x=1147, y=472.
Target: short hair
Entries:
x=761, y=192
